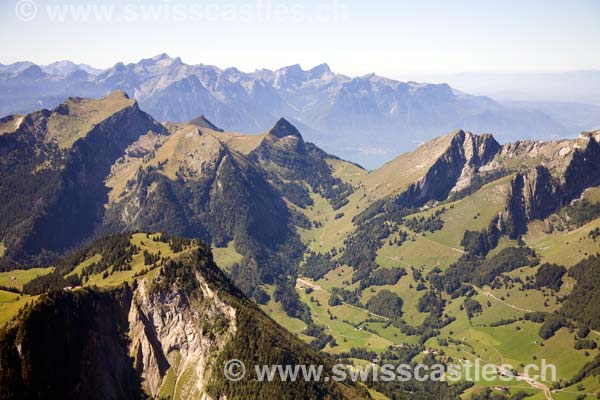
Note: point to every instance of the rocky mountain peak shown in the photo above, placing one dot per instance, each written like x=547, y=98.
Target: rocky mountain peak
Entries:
x=63, y=67
x=283, y=128
x=119, y=94
x=477, y=149
x=203, y=122
x=291, y=69
x=290, y=76
x=15, y=68
x=585, y=137
x=319, y=71
x=32, y=72
x=159, y=57
x=120, y=66
x=66, y=68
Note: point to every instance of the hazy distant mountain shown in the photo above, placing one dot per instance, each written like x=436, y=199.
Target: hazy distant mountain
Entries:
x=574, y=116
x=367, y=119
x=572, y=86
x=65, y=68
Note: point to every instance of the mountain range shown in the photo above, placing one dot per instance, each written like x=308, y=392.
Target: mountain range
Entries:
x=366, y=119
x=463, y=247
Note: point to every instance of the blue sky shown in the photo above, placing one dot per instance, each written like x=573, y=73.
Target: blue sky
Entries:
x=391, y=38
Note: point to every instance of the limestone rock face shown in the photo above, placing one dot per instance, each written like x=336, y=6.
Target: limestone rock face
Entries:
x=454, y=169
x=566, y=169
x=171, y=336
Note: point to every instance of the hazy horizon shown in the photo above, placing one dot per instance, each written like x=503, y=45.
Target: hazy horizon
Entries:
x=419, y=77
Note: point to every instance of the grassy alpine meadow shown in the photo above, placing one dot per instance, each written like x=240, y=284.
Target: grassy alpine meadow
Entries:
x=563, y=247
x=276, y=311
x=420, y=250
x=17, y=278
x=225, y=257
x=11, y=303
x=115, y=276
x=340, y=321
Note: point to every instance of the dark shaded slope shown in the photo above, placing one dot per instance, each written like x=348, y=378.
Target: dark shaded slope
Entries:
x=53, y=195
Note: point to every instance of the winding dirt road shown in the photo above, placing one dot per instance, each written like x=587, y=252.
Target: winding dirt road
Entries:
x=493, y=296
x=301, y=283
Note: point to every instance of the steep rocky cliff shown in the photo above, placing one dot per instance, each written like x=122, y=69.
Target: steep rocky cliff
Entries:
x=556, y=180
x=453, y=170
x=546, y=175
x=167, y=334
